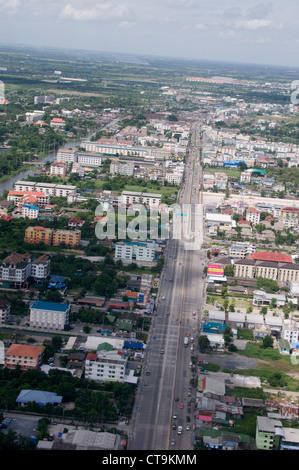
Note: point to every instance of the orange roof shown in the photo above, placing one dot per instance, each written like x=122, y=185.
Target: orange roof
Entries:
x=24, y=350
x=271, y=256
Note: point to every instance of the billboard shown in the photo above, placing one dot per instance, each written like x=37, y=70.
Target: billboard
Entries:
x=215, y=270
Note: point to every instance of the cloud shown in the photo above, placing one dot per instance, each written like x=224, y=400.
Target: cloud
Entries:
x=99, y=11
x=253, y=24
x=259, y=11
x=11, y=6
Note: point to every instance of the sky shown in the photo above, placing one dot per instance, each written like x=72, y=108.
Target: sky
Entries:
x=228, y=30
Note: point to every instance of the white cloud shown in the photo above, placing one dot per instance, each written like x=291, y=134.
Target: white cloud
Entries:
x=253, y=24
x=11, y=6
x=98, y=11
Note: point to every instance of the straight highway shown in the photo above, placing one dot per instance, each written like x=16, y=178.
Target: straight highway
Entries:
x=163, y=390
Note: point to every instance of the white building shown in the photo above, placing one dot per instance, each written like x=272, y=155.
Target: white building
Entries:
x=122, y=169
x=49, y=189
x=241, y=249
x=90, y=159
x=106, y=366
x=253, y=215
x=49, y=315
x=290, y=331
x=149, y=199
x=174, y=178
x=34, y=116
x=135, y=251
x=30, y=211
x=58, y=169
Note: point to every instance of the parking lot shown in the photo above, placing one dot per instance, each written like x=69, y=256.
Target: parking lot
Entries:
x=25, y=426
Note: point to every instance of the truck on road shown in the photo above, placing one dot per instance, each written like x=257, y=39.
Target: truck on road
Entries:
x=186, y=341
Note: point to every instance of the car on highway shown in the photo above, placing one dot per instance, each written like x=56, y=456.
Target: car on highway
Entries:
x=180, y=429
x=162, y=351
x=188, y=427
x=181, y=406
x=174, y=426
x=175, y=416
x=172, y=442
x=176, y=398
x=188, y=419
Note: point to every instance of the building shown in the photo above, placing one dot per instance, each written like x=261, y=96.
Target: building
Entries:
x=67, y=237
x=241, y=249
x=23, y=356
x=117, y=168
x=38, y=198
x=57, y=123
x=4, y=311
x=135, y=251
x=261, y=297
x=40, y=397
x=58, y=169
x=271, y=256
x=290, y=439
x=268, y=433
x=30, y=211
x=49, y=315
x=75, y=222
x=90, y=159
x=48, y=189
x=253, y=215
x=16, y=269
x=149, y=199
x=277, y=271
x=106, y=365
x=39, y=234
x=67, y=155
x=174, y=178
x=40, y=268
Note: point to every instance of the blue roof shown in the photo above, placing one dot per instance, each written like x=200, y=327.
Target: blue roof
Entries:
x=39, y=396
x=50, y=306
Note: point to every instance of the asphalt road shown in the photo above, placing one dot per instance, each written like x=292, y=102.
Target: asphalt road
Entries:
x=167, y=360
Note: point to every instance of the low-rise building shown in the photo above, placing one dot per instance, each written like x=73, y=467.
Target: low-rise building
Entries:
x=67, y=237
x=135, y=251
x=49, y=315
x=106, y=365
x=58, y=169
x=23, y=356
x=268, y=433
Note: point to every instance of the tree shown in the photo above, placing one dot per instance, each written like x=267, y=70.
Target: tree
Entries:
x=203, y=343
x=267, y=342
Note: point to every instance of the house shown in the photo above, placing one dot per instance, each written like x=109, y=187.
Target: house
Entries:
x=23, y=356
x=57, y=281
x=57, y=123
x=75, y=222
x=106, y=365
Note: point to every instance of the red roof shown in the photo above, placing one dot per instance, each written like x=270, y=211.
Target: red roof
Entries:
x=271, y=256
x=91, y=356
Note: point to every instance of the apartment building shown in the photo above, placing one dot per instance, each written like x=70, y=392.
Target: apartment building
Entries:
x=24, y=356
x=38, y=198
x=17, y=268
x=268, y=433
x=48, y=189
x=135, y=251
x=240, y=250
x=289, y=216
x=67, y=237
x=38, y=234
x=290, y=331
x=253, y=215
x=106, y=366
x=149, y=199
x=49, y=315
x=40, y=268
x=122, y=169
x=280, y=272
x=67, y=155
x=174, y=178
x=4, y=311
x=30, y=211
x=90, y=159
